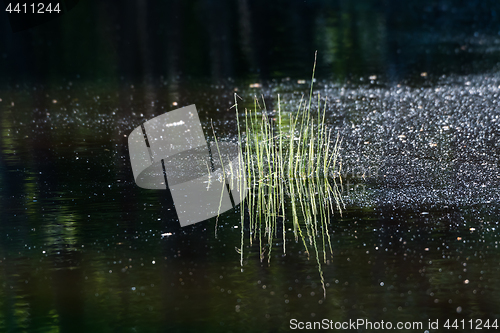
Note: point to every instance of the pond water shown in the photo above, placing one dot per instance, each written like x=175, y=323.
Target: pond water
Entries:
x=413, y=91
x=82, y=246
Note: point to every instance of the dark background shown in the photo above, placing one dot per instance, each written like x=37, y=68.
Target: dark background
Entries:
x=209, y=39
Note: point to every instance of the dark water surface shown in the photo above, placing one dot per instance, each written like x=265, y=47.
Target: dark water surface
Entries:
x=81, y=246
x=412, y=88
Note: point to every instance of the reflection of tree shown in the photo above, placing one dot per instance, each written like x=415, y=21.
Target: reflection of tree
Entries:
x=246, y=33
x=351, y=39
x=216, y=39
x=237, y=38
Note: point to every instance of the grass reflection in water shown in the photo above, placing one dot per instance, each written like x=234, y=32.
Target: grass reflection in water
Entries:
x=288, y=156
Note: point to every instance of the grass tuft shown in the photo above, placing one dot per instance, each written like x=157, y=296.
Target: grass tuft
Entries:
x=289, y=166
